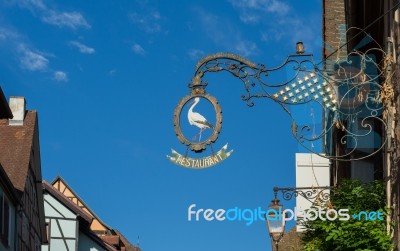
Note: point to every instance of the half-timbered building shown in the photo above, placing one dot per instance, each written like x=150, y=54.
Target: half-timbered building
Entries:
x=20, y=160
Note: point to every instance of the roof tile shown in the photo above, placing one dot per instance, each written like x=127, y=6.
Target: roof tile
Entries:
x=15, y=148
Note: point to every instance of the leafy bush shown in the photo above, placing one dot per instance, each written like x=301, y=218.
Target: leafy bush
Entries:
x=354, y=234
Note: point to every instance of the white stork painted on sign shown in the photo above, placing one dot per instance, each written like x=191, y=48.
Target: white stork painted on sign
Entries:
x=197, y=119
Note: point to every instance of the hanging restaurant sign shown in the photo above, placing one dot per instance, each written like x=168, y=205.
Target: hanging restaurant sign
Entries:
x=351, y=99
x=203, y=128
x=205, y=162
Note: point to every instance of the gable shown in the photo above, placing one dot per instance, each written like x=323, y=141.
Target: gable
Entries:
x=55, y=209
x=97, y=225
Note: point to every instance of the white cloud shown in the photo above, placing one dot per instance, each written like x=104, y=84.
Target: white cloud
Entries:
x=272, y=6
x=301, y=30
x=8, y=34
x=73, y=20
x=3, y=34
x=83, y=48
x=245, y=48
x=28, y=57
x=195, y=54
x=30, y=4
x=112, y=72
x=150, y=23
x=32, y=61
x=287, y=25
x=138, y=49
x=225, y=35
x=249, y=18
x=279, y=7
x=60, y=76
x=256, y=11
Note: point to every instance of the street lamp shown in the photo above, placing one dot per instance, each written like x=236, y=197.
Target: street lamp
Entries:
x=274, y=215
x=276, y=223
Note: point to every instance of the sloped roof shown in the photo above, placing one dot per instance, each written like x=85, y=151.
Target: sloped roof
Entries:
x=291, y=240
x=5, y=111
x=127, y=244
x=112, y=238
x=60, y=184
x=100, y=241
x=77, y=210
x=15, y=148
x=8, y=186
x=68, y=203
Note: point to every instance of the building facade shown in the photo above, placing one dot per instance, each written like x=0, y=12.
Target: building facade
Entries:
x=20, y=161
x=68, y=226
x=354, y=31
x=369, y=28
x=9, y=202
x=36, y=215
x=72, y=225
x=8, y=196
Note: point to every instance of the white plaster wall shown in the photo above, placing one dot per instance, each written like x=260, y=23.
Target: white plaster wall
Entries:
x=87, y=244
x=311, y=171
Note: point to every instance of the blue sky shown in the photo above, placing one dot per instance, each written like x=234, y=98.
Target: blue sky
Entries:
x=106, y=77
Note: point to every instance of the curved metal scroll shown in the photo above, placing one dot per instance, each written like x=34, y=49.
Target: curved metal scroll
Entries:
x=315, y=195
x=349, y=96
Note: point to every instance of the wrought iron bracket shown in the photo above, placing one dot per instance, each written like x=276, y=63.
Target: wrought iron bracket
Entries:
x=349, y=96
x=312, y=194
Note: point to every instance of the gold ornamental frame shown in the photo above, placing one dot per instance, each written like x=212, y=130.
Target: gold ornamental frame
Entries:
x=198, y=146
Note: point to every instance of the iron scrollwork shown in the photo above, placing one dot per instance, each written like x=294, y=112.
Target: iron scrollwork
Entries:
x=319, y=195
x=349, y=96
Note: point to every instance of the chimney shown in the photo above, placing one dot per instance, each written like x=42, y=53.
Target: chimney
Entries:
x=18, y=107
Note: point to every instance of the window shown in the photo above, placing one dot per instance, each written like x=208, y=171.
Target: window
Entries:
x=5, y=220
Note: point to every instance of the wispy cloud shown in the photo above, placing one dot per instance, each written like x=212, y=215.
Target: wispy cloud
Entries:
x=60, y=76
x=255, y=11
x=292, y=30
x=149, y=22
x=225, y=35
x=32, y=60
x=31, y=4
x=27, y=56
x=245, y=48
x=249, y=18
x=138, y=49
x=195, y=54
x=286, y=25
x=8, y=34
x=73, y=19
x=112, y=72
x=279, y=7
x=82, y=48
x=269, y=6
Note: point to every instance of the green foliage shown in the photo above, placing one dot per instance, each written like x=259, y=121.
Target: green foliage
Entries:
x=354, y=234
